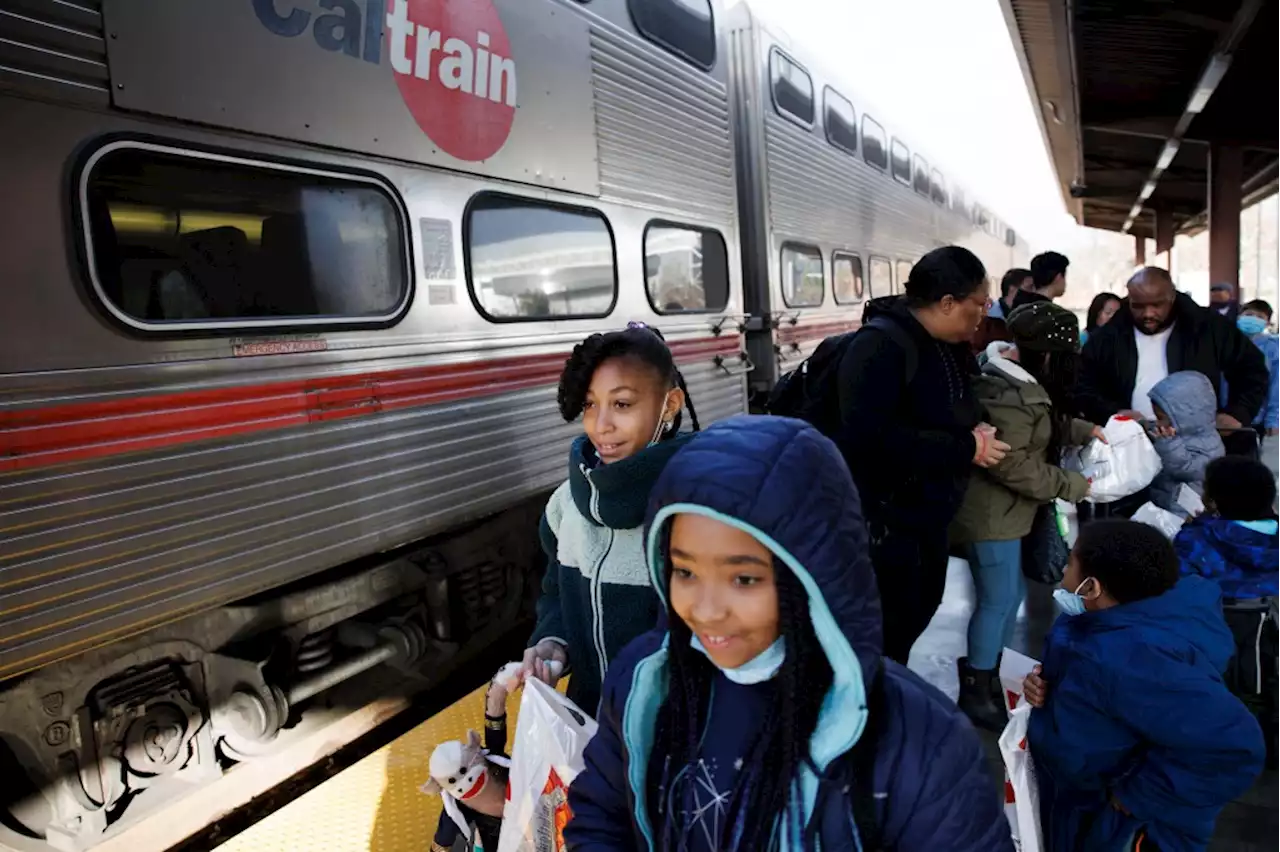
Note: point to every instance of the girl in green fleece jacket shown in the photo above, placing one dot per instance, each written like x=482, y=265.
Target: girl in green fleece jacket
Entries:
x=596, y=594
x=1027, y=400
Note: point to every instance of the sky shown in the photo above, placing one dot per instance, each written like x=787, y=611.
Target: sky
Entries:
x=945, y=73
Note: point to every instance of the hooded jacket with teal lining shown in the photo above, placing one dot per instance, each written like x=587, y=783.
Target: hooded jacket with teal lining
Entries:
x=596, y=595
x=785, y=484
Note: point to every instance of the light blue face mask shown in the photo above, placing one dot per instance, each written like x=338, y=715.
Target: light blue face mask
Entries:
x=1251, y=325
x=760, y=668
x=1070, y=603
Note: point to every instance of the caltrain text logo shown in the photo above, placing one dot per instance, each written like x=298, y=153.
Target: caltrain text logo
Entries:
x=451, y=58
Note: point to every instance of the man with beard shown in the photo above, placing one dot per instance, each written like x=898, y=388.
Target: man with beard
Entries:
x=1161, y=331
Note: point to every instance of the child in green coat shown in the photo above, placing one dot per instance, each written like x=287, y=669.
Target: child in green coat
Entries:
x=1023, y=391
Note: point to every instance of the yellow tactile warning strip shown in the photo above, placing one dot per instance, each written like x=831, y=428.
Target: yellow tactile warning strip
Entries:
x=374, y=805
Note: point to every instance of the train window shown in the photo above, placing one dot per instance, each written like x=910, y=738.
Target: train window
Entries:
x=958, y=201
x=842, y=128
x=846, y=269
x=686, y=269
x=874, y=150
x=792, y=88
x=901, y=162
x=684, y=27
x=531, y=260
x=1010, y=237
x=920, y=181
x=938, y=188
x=904, y=272
x=881, y=279
x=803, y=285
x=183, y=240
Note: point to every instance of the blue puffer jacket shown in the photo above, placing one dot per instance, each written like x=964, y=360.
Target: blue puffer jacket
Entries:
x=785, y=484
x=1192, y=407
x=1244, y=562
x=596, y=595
x=1137, y=709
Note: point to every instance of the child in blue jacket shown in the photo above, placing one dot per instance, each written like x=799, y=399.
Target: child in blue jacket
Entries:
x=759, y=713
x=1234, y=542
x=596, y=595
x=1137, y=742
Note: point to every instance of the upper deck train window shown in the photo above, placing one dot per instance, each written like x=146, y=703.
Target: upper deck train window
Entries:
x=958, y=202
x=881, y=279
x=938, y=188
x=803, y=284
x=842, y=128
x=846, y=269
x=684, y=27
x=531, y=260
x=920, y=179
x=685, y=269
x=1010, y=237
x=901, y=162
x=182, y=240
x=792, y=88
x=874, y=150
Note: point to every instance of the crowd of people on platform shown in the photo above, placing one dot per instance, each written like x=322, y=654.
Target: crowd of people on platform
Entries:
x=738, y=605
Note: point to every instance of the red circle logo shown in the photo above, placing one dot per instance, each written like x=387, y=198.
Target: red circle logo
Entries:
x=453, y=65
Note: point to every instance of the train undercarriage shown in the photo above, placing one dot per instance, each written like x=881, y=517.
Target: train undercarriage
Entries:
x=91, y=745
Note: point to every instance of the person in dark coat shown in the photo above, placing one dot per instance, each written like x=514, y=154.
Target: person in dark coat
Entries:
x=760, y=709
x=1137, y=742
x=910, y=444
x=1234, y=541
x=1159, y=331
x=1048, y=280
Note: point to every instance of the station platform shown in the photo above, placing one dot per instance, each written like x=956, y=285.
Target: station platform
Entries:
x=375, y=805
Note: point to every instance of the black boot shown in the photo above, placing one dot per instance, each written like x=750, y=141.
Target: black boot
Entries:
x=977, y=698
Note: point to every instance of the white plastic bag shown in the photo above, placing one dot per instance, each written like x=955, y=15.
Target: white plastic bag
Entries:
x=551, y=734
x=1022, y=791
x=1123, y=466
x=1162, y=519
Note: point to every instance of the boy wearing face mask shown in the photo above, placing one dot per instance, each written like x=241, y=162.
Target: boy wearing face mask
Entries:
x=1137, y=741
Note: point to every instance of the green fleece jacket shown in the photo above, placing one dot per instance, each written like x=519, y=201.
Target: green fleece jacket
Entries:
x=1001, y=502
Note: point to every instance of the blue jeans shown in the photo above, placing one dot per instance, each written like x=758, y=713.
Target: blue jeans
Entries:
x=997, y=578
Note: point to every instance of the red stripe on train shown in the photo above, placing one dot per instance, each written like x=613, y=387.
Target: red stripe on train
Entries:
x=37, y=437
x=789, y=334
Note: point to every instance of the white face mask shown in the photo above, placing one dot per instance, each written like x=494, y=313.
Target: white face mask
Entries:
x=664, y=425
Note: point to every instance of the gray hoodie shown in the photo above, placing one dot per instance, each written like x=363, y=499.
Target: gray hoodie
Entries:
x=1190, y=403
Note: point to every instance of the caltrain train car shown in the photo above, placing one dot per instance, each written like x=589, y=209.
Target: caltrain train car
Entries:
x=288, y=287
x=836, y=206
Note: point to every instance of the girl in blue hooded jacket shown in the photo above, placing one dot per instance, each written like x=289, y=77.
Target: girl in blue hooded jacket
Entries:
x=759, y=713
x=596, y=595
x=1137, y=742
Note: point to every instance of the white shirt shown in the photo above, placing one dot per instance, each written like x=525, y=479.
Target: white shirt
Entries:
x=1153, y=366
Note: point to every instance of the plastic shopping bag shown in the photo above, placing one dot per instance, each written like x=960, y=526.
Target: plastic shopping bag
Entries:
x=1022, y=792
x=1165, y=521
x=551, y=733
x=1123, y=466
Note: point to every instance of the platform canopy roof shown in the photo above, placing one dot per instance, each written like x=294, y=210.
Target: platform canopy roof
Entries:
x=1131, y=95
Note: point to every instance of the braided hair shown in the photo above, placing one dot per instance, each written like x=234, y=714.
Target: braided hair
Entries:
x=1057, y=372
x=768, y=783
x=643, y=343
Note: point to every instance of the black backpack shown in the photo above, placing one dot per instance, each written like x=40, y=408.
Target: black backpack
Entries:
x=811, y=392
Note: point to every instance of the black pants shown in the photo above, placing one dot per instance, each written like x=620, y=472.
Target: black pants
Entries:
x=1251, y=675
x=911, y=571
